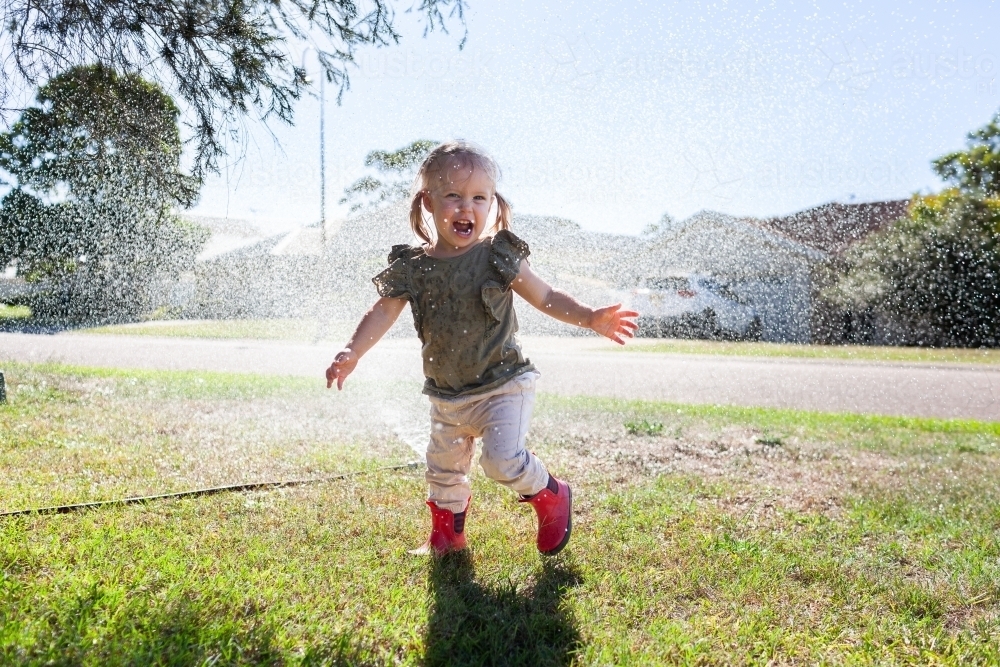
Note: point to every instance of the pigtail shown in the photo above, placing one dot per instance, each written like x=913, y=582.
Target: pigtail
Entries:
x=504, y=213
x=417, y=223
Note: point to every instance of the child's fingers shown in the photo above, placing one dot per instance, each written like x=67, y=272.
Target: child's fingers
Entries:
x=338, y=372
x=628, y=313
x=622, y=331
x=343, y=368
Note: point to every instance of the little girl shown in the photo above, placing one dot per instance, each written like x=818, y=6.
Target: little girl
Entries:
x=458, y=283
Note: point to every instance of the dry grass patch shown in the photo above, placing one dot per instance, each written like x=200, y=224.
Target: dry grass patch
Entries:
x=788, y=472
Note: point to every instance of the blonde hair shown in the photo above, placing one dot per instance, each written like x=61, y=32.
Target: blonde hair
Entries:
x=467, y=154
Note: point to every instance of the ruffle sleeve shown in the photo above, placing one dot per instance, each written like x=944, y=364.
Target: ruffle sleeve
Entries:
x=506, y=254
x=394, y=280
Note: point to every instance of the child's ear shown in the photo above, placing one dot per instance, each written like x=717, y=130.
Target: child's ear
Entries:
x=425, y=199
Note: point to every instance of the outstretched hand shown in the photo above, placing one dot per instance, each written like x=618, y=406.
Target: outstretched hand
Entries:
x=614, y=323
x=342, y=366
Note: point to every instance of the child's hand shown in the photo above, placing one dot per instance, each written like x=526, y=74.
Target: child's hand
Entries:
x=614, y=323
x=342, y=366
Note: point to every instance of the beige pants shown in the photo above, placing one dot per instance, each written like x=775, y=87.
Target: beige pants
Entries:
x=501, y=418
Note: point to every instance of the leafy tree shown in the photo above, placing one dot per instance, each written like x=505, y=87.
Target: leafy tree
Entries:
x=225, y=59
x=664, y=225
x=976, y=170
x=934, y=276
x=94, y=174
x=394, y=174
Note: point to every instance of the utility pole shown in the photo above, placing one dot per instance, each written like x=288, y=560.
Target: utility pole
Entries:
x=322, y=164
x=322, y=276
x=322, y=146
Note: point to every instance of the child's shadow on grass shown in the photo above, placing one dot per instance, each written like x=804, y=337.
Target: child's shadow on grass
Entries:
x=471, y=624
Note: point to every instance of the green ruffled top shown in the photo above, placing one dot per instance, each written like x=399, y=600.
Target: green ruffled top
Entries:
x=463, y=311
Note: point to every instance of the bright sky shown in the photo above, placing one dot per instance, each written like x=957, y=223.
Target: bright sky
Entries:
x=612, y=114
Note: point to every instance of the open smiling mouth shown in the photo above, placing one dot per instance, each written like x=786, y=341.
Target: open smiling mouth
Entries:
x=463, y=228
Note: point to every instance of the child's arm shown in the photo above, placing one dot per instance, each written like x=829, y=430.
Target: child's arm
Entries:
x=610, y=321
x=371, y=328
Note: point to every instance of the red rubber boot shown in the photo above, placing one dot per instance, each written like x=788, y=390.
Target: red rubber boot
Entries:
x=447, y=531
x=554, y=507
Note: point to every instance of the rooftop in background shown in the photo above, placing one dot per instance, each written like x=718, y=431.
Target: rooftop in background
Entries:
x=827, y=228
x=832, y=227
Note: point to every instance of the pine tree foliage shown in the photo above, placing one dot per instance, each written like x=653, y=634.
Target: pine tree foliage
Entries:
x=225, y=59
x=94, y=175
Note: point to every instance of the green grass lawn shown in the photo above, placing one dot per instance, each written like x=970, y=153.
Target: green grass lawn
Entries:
x=858, y=352
x=702, y=535
x=276, y=329
x=309, y=330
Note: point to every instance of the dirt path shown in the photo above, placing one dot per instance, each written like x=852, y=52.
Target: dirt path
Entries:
x=579, y=366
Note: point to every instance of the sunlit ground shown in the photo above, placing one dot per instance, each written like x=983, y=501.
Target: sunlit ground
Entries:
x=701, y=534
x=308, y=330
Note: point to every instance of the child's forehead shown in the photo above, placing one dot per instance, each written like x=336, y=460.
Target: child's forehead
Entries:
x=458, y=171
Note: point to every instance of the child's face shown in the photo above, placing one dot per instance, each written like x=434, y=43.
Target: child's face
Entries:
x=459, y=198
